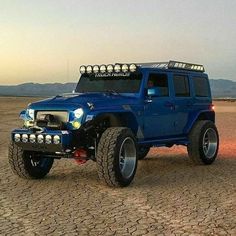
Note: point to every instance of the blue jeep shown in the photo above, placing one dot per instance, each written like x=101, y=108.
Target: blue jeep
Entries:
x=114, y=116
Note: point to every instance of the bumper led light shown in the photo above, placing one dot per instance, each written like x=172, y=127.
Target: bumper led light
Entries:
x=56, y=139
x=40, y=138
x=25, y=138
x=125, y=68
x=32, y=138
x=17, y=137
x=48, y=139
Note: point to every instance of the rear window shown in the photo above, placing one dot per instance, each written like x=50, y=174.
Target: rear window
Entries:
x=181, y=85
x=201, y=87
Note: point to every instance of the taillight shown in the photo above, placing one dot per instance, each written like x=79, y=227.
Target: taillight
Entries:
x=212, y=107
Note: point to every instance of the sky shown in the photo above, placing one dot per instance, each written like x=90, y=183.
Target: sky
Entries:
x=46, y=41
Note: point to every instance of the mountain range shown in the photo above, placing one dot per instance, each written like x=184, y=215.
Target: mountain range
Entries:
x=221, y=88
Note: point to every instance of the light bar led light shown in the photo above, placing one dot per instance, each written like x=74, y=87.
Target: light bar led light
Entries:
x=132, y=67
x=95, y=69
x=117, y=68
x=82, y=69
x=103, y=68
x=110, y=68
x=125, y=68
x=89, y=69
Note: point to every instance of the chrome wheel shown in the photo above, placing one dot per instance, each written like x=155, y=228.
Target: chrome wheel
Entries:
x=127, y=157
x=210, y=143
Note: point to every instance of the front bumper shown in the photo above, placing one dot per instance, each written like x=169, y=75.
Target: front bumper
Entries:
x=65, y=140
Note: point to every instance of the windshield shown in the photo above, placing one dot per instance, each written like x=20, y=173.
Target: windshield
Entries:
x=106, y=82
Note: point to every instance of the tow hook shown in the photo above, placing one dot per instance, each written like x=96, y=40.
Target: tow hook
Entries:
x=80, y=156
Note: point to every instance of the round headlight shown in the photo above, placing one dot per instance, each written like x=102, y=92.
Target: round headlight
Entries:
x=78, y=113
x=48, y=139
x=17, y=137
x=110, y=68
x=95, y=69
x=30, y=113
x=117, y=68
x=132, y=67
x=32, y=138
x=25, y=138
x=56, y=139
x=125, y=68
x=103, y=68
x=40, y=138
x=89, y=69
x=82, y=69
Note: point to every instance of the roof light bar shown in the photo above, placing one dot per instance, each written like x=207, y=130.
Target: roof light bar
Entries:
x=117, y=68
x=185, y=66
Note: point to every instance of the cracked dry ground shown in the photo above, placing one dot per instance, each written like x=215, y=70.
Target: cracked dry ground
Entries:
x=169, y=196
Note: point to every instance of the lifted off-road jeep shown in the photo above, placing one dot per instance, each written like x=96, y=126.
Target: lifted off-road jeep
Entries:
x=116, y=113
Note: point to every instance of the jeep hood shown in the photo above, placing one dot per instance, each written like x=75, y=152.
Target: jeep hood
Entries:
x=84, y=100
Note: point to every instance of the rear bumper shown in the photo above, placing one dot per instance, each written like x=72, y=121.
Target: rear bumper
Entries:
x=65, y=140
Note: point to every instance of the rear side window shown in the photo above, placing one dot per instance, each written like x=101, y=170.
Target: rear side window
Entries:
x=201, y=87
x=159, y=81
x=181, y=85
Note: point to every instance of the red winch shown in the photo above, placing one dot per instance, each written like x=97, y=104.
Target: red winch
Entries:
x=80, y=156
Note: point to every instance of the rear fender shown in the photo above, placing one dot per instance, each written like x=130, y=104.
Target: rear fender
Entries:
x=195, y=116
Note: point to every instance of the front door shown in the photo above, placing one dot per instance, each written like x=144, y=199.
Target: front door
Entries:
x=159, y=108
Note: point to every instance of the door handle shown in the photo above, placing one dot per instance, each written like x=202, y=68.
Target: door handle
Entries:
x=189, y=104
x=170, y=105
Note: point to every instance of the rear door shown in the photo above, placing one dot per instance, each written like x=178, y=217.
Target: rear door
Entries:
x=183, y=101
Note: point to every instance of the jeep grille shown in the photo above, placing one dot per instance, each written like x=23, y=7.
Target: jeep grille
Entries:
x=59, y=115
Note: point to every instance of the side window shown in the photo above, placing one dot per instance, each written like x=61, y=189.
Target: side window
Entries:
x=201, y=87
x=159, y=82
x=181, y=85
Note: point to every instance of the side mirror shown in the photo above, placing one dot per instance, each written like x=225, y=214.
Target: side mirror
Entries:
x=22, y=114
x=153, y=92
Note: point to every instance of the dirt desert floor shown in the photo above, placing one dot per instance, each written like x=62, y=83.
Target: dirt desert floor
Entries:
x=170, y=195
